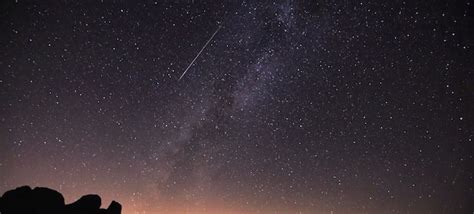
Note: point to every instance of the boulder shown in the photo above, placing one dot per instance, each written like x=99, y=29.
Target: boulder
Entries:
x=86, y=204
x=41, y=200
x=45, y=200
x=16, y=201
x=114, y=208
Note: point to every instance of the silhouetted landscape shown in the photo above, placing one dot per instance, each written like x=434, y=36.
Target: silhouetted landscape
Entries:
x=24, y=200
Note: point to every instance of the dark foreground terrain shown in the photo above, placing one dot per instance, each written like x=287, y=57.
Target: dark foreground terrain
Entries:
x=41, y=200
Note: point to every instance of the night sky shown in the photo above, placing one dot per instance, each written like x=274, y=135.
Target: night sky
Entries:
x=291, y=107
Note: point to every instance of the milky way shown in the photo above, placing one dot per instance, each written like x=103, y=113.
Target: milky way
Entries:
x=291, y=107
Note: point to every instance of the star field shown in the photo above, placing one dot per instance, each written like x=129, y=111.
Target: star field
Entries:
x=292, y=107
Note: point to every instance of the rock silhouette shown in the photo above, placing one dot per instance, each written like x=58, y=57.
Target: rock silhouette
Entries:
x=86, y=204
x=41, y=200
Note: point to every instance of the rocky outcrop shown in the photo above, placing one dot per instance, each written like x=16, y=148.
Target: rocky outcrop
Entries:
x=40, y=200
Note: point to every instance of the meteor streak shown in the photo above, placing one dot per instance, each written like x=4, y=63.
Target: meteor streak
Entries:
x=202, y=49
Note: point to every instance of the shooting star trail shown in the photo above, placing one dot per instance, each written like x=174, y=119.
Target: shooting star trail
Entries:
x=202, y=49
